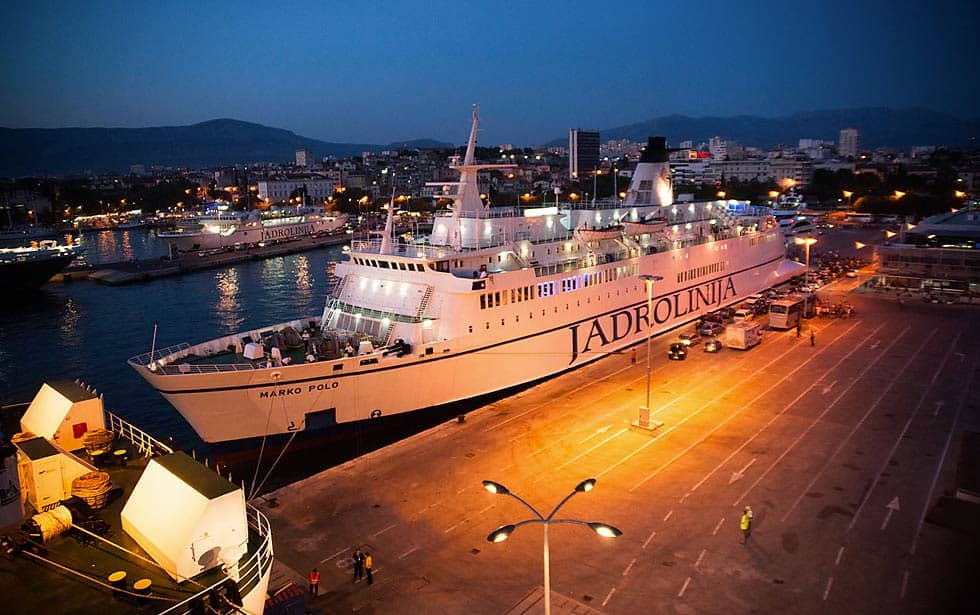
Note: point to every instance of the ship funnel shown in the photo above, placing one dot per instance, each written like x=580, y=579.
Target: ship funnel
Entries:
x=651, y=183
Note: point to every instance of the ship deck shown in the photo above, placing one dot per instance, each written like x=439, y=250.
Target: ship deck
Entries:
x=70, y=572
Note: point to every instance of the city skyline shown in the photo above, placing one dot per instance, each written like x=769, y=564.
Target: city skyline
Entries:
x=387, y=72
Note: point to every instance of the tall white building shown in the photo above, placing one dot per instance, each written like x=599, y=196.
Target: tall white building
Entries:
x=849, y=142
x=317, y=190
x=304, y=157
x=718, y=148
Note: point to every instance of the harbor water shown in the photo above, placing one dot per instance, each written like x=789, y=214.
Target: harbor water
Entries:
x=84, y=330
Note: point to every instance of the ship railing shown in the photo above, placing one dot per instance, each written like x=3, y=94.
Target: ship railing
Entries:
x=147, y=357
x=146, y=444
x=250, y=574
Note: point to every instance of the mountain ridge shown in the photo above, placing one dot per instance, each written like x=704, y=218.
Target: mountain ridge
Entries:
x=227, y=141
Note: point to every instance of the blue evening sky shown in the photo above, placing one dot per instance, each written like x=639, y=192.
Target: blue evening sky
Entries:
x=377, y=72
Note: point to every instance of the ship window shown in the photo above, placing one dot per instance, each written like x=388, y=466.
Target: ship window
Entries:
x=471, y=328
x=370, y=361
x=384, y=264
x=338, y=366
x=483, y=302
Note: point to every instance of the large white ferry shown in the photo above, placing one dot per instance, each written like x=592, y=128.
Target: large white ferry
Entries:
x=495, y=298
x=243, y=230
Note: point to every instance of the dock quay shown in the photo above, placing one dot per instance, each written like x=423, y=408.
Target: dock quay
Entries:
x=844, y=447
x=130, y=272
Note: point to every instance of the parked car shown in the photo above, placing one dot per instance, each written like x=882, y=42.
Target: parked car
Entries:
x=712, y=346
x=741, y=315
x=852, y=273
x=712, y=329
x=677, y=352
x=689, y=339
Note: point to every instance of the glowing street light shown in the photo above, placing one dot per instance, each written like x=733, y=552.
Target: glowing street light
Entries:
x=503, y=532
x=890, y=234
x=899, y=194
x=858, y=245
x=721, y=194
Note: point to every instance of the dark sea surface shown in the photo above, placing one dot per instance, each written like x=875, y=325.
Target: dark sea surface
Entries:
x=85, y=330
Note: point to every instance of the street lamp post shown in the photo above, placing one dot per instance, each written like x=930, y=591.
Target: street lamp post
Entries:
x=503, y=532
x=643, y=420
x=807, y=242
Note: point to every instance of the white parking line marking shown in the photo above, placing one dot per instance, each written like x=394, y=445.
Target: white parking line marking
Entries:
x=700, y=558
x=840, y=554
x=628, y=568
x=649, y=538
x=826, y=591
x=687, y=582
x=608, y=596
x=905, y=584
x=667, y=516
x=412, y=550
x=718, y=527
x=382, y=531
x=332, y=556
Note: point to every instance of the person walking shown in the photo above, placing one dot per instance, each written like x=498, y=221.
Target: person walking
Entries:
x=314, y=582
x=633, y=356
x=369, y=567
x=813, y=338
x=358, y=565
x=799, y=329
x=746, y=524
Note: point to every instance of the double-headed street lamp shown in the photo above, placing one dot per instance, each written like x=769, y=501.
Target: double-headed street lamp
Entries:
x=503, y=532
x=806, y=241
x=643, y=421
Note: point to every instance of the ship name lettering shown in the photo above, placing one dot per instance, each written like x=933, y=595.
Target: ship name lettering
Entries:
x=287, y=231
x=323, y=386
x=635, y=320
x=280, y=392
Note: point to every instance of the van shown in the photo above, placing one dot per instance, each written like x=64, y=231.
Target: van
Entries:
x=743, y=315
x=751, y=300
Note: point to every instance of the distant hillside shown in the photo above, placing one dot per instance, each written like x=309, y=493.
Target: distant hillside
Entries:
x=418, y=144
x=879, y=127
x=62, y=151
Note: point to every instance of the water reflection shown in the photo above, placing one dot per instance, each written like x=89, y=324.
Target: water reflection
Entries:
x=304, y=280
x=229, y=307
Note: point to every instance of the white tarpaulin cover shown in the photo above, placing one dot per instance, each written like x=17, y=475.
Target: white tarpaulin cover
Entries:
x=63, y=411
x=185, y=515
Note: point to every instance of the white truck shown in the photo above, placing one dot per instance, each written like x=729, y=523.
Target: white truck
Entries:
x=743, y=335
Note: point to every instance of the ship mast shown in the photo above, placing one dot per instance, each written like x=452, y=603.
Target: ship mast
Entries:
x=466, y=199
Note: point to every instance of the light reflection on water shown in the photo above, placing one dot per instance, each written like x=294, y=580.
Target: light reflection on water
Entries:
x=88, y=331
x=113, y=246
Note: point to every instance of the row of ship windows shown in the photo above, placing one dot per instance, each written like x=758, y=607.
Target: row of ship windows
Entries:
x=530, y=315
x=697, y=272
x=550, y=288
x=397, y=265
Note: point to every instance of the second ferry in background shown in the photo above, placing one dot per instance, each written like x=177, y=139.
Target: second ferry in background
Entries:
x=494, y=298
x=242, y=230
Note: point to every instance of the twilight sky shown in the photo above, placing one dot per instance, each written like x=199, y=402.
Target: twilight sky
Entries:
x=377, y=72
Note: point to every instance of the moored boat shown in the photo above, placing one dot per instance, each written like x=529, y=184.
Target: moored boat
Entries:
x=493, y=299
x=240, y=230
x=97, y=516
x=29, y=267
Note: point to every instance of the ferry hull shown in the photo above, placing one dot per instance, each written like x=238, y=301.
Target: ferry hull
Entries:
x=238, y=405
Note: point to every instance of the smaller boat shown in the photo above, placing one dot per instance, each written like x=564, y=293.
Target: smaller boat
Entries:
x=643, y=227
x=27, y=268
x=97, y=516
x=598, y=234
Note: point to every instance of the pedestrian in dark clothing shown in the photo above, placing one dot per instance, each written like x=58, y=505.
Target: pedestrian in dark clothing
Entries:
x=358, y=565
x=633, y=356
x=799, y=330
x=813, y=338
x=314, y=582
x=369, y=567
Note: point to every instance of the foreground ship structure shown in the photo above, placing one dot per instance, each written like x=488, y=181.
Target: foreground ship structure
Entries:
x=493, y=299
x=97, y=516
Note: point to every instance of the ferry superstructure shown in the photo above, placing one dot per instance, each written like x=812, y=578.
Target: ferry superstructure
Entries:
x=495, y=298
x=242, y=230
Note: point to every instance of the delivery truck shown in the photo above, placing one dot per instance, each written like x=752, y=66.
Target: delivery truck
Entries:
x=743, y=335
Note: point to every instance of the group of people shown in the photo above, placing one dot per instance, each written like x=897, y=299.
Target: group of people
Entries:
x=363, y=566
